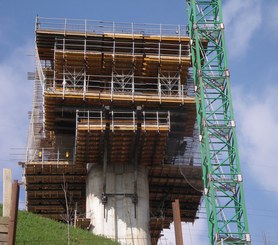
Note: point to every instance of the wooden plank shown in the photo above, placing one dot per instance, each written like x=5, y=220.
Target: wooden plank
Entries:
x=4, y=220
x=3, y=237
x=120, y=97
x=4, y=228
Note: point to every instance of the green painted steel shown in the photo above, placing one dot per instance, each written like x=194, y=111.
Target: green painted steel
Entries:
x=225, y=205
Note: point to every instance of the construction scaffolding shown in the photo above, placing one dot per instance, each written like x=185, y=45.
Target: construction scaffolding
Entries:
x=113, y=94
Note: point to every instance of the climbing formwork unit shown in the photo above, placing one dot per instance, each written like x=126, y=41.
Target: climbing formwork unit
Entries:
x=227, y=219
x=113, y=127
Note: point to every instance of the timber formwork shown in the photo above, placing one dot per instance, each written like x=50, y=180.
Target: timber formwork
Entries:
x=115, y=93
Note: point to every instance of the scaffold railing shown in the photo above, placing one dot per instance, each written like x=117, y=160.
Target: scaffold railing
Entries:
x=101, y=27
x=180, y=50
x=121, y=84
x=96, y=120
x=39, y=68
x=49, y=155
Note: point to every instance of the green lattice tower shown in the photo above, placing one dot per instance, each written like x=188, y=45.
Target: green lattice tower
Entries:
x=225, y=205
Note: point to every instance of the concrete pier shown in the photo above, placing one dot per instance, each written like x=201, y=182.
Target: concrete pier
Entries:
x=119, y=213
x=7, y=191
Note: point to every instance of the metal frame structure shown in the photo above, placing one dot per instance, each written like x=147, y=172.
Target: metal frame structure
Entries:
x=85, y=27
x=121, y=81
x=105, y=94
x=227, y=218
x=122, y=120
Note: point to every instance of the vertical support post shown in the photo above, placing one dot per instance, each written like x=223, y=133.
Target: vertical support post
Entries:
x=85, y=28
x=85, y=68
x=159, y=86
x=64, y=69
x=114, y=46
x=64, y=82
x=54, y=68
x=13, y=213
x=133, y=62
x=177, y=222
x=113, y=62
x=132, y=83
x=7, y=191
x=76, y=134
x=159, y=51
x=112, y=83
x=84, y=83
x=180, y=46
x=37, y=23
x=65, y=27
x=105, y=157
x=136, y=149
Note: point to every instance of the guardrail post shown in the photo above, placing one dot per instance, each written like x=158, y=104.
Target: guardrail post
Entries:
x=65, y=26
x=37, y=23
x=159, y=87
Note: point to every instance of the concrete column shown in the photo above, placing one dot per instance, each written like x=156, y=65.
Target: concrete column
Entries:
x=7, y=191
x=119, y=218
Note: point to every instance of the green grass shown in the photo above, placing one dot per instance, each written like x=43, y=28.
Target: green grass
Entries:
x=34, y=229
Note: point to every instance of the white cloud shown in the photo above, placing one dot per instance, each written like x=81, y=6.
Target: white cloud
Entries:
x=272, y=20
x=15, y=102
x=242, y=19
x=257, y=116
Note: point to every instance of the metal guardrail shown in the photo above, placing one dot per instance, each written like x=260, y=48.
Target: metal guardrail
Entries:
x=116, y=118
x=179, y=50
x=144, y=87
x=45, y=155
x=100, y=27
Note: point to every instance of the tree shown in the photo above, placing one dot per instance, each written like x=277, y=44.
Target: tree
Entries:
x=68, y=216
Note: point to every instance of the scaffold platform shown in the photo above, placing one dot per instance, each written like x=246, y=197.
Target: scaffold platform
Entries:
x=113, y=92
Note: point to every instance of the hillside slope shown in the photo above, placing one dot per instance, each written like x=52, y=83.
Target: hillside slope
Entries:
x=33, y=229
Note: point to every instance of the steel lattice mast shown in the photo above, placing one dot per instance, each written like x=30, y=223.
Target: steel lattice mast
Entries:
x=225, y=205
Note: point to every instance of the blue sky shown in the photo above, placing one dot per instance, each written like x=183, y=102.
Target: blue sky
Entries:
x=251, y=36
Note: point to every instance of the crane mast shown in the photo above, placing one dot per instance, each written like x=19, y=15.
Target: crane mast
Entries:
x=223, y=189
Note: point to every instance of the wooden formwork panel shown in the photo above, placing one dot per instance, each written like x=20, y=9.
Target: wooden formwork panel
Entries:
x=151, y=146
x=166, y=184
